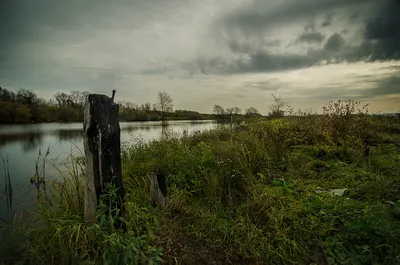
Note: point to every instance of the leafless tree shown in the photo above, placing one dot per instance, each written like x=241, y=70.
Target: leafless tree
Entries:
x=164, y=103
x=278, y=108
x=218, y=110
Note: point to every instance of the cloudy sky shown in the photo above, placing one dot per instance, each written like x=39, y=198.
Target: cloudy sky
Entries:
x=227, y=52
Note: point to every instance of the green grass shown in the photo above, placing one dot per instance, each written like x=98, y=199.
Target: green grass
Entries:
x=58, y=234
x=258, y=194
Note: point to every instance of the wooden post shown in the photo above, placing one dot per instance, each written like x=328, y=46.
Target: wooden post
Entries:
x=158, y=189
x=102, y=152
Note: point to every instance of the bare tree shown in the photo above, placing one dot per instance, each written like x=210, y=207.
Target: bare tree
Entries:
x=290, y=110
x=164, y=102
x=26, y=96
x=78, y=98
x=6, y=95
x=278, y=108
x=130, y=106
x=63, y=99
x=74, y=99
x=29, y=98
x=218, y=110
x=145, y=107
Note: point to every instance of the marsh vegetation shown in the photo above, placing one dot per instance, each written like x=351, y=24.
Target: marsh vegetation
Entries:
x=298, y=189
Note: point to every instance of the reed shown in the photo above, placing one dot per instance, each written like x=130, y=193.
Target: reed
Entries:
x=7, y=188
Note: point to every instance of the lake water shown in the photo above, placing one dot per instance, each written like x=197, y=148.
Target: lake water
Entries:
x=21, y=144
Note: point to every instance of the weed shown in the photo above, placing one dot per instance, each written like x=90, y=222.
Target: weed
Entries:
x=8, y=191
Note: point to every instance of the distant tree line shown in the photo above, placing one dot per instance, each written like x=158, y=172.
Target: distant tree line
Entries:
x=24, y=106
x=234, y=113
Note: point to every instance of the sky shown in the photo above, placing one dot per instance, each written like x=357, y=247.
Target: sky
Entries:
x=208, y=52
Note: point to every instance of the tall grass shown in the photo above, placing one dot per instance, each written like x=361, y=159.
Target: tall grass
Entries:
x=8, y=191
x=39, y=177
x=59, y=234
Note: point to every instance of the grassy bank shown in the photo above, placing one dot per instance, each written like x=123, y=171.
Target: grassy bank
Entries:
x=297, y=190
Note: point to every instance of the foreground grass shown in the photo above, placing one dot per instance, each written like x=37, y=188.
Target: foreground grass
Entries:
x=258, y=194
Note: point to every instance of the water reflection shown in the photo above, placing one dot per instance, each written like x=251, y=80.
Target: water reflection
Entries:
x=28, y=141
x=22, y=143
x=70, y=135
x=8, y=194
x=31, y=138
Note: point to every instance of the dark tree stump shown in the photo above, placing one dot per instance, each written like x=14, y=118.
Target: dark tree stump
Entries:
x=158, y=189
x=102, y=152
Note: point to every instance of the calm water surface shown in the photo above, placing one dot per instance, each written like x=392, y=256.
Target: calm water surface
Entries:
x=21, y=144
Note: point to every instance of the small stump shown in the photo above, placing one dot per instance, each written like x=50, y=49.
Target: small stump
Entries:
x=158, y=189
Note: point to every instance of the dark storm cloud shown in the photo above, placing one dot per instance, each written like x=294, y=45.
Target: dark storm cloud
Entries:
x=383, y=28
x=264, y=61
x=260, y=17
x=328, y=21
x=248, y=46
x=242, y=46
x=255, y=62
x=334, y=43
x=381, y=38
x=383, y=31
x=247, y=31
x=311, y=37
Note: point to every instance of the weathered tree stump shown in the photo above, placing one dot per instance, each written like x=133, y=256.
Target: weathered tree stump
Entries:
x=158, y=189
x=102, y=152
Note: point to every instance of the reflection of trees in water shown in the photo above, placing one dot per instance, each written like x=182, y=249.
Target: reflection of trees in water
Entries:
x=200, y=122
x=131, y=129
x=29, y=141
x=222, y=124
x=32, y=141
x=165, y=129
x=70, y=135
